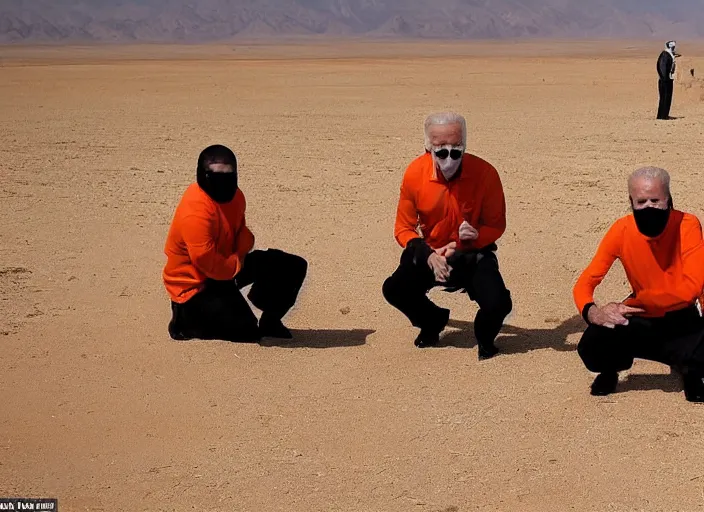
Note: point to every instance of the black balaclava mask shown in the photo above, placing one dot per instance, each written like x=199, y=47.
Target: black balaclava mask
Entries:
x=651, y=221
x=220, y=186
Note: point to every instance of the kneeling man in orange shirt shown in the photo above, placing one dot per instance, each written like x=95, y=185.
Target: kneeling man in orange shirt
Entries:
x=210, y=258
x=662, y=252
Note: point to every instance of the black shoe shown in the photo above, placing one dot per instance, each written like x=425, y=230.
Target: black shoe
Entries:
x=604, y=384
x=694, y=388
x=430, y=335
x=486, y=350
x=177, y=334
x=427, y=338
x=273, y=328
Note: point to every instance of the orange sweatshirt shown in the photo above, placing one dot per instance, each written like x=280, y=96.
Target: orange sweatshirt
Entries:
x=438, y=207
x=206, y=240
x=666, y=273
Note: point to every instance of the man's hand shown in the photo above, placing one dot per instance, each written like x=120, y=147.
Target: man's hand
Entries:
x=438, y=264
x=467, y=232
x=447, y=250
x=611, y=315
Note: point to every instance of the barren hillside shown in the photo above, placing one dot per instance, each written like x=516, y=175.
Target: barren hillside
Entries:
x=209, y=20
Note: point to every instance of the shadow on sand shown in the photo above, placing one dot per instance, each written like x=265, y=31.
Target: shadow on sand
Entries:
x=516, y=340
x=671, y=383
x=321, y=338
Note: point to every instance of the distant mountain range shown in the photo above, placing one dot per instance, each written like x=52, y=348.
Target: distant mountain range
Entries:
x=214, y=20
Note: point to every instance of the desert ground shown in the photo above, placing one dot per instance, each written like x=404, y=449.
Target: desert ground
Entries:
x=102, y=410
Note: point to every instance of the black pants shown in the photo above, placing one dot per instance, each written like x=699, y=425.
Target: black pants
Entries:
x=675, y=339
x=408, y=286
x=219, y=311
x=665, y=88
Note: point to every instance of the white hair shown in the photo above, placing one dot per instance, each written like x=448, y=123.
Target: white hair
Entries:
x=651, y=173
x=441, y=119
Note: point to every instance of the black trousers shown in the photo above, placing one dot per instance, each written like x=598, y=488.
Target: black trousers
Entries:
x=408, y=286
x=675, y=339
x=219, y=311
x=665, y=89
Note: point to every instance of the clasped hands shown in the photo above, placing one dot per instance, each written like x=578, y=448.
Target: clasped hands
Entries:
x=437, y=261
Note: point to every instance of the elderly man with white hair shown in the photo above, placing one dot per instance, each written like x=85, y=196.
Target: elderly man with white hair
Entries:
x=662, y=252
x=451, y=212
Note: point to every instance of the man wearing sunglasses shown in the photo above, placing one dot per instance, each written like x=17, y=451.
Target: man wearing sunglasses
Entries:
x=450, y=214
x=210, y=258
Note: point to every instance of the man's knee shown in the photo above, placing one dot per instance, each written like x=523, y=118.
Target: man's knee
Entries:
x=600, y=352
x=488, y=287
x=497, y=303
x=504, y=305
x=298, y=267
x=391, y=287
x=292, y=264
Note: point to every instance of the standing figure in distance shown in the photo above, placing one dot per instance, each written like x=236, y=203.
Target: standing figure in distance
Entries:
x=666, y=73
x=210, y=258
x=451, y=212
x=662, y=252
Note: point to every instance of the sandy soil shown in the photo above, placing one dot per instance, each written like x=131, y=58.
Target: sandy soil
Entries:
x=102, y=410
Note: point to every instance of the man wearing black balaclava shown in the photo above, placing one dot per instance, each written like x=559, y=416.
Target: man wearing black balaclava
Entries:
x=666, y=75
x=662, y=252
x=210, y=258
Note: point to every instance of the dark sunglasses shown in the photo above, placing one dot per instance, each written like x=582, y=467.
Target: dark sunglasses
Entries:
x=442, y=154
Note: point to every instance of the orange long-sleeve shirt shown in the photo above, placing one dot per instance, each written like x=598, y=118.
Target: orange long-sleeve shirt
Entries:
x=666, y=273
x=438, y=207
x=206, y=240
